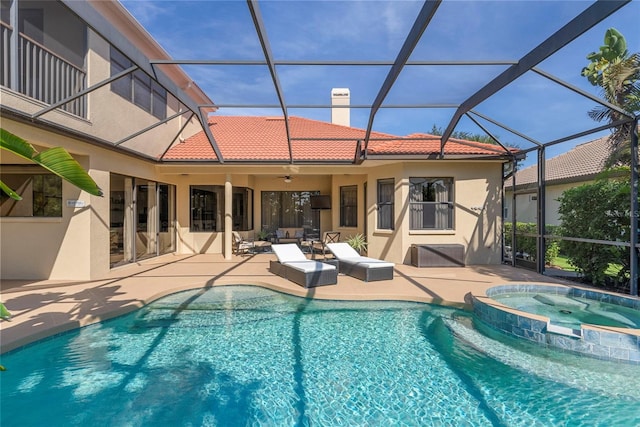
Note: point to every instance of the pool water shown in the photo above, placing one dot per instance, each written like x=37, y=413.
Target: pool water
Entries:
x=572, y=311
x=243, y=355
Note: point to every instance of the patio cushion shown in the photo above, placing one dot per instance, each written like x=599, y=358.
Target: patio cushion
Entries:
x=289, y=252
x=343, y=250
x=368, y=262
x=310, y=266
x=345, y=253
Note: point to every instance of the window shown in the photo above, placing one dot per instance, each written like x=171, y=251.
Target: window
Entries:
x=207, y=208
x=41, y=193
x=386, y=192
x=138, y=87
x=431, y=203
x=242, y=209
x=289, y=209
x=349, y=206
x=207, y=212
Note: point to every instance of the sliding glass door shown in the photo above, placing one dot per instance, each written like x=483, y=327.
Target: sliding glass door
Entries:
x=167, y=225
x=142, y=220
x=289, y=209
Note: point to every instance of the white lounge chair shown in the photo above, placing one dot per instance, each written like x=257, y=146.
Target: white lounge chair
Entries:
x=364, y=268
x=293, y=265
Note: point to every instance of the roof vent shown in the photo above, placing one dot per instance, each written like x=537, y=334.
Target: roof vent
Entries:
x=340, y=111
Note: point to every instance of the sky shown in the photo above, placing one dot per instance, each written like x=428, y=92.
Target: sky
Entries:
x=361, y=31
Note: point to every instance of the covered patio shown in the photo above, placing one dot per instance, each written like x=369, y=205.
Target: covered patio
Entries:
x=44, y=308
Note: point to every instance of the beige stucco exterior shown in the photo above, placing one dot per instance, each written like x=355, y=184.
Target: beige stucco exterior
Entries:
x=110, y=117
x=527, y=203
x=76, y=246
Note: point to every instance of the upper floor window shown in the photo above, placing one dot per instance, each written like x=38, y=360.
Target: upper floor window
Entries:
x=41, y=192
x=386, y=193
x=431, y=203
x=349, y=206
x=138, y=87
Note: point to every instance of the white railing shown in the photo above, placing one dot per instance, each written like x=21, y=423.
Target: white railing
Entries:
x=42, y=74
x=5, y=67
x=49, y=78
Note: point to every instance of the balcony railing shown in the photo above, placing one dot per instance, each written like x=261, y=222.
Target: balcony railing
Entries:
x=43, y=75
x=5, y=67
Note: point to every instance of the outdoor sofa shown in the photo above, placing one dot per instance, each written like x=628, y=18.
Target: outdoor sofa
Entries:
x=353, y=264
x=292, y=264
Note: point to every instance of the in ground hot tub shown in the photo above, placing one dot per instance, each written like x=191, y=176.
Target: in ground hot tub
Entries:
x=597, y=324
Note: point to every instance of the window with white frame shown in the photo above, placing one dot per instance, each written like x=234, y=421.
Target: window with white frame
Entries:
x=431, y=203
x=386, y=192
x=349, y=206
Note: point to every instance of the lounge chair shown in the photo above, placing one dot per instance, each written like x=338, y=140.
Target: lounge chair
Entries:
x=293, y=265
x=364, y=268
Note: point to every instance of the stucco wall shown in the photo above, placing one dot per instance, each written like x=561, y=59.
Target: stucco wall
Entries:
x=477, y=217
x=110, y=117
x=75, y=246
x=526, y=205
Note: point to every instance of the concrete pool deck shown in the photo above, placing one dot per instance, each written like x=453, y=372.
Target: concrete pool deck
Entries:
x=43, y=308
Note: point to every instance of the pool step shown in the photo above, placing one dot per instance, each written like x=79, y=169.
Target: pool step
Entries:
x=563, y=330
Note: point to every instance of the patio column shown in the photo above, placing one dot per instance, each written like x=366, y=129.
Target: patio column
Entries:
x=228, y=220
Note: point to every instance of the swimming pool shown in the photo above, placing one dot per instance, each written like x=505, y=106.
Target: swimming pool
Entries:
x=243, y=355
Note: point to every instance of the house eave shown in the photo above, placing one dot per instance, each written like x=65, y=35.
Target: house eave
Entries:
x=17, y=116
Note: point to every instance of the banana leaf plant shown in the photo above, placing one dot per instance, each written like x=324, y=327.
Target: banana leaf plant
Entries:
x=56, y=160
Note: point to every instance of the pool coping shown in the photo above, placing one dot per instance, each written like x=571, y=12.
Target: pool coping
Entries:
x=600, y=342
x=45, y=308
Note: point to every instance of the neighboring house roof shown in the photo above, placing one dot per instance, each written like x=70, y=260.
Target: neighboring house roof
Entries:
x=250, y=138
x=581, y=163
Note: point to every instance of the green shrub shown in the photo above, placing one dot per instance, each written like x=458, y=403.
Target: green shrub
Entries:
x=598, y=211
x=527, y=244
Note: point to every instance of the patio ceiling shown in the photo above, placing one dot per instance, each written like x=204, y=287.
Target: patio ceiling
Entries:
x=426, y=73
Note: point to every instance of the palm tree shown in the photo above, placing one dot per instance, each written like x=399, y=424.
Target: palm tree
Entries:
x=56, y=160
x=617, y=72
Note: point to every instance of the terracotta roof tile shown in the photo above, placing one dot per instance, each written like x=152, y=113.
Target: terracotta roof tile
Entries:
x=265, y=138
x=426, y=144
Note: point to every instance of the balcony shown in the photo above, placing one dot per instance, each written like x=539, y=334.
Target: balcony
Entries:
x=40, y=73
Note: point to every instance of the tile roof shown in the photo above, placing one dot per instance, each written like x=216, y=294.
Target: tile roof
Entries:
x=251, y=138
x=582, y=162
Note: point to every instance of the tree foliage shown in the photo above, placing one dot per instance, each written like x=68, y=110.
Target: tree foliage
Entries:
x=468, y=136
x=56, y=160
x=598, y=211
x=617, y=73
x=527, y=244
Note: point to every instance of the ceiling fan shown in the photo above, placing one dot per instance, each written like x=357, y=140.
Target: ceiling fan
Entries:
x=287, y=178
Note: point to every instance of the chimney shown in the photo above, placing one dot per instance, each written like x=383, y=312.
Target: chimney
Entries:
x=340, y=115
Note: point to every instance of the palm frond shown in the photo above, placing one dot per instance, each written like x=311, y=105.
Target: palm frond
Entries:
x=57, y=160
